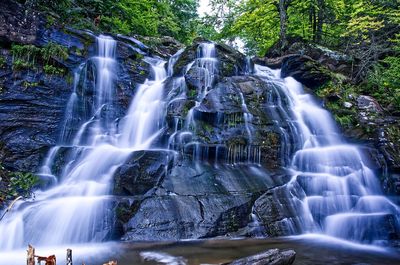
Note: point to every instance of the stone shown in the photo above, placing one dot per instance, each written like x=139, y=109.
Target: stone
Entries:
x=195, y=77
x=347, y=105
x=305, y=70
x=269, y=257
x=368, y=103
x=141, y=172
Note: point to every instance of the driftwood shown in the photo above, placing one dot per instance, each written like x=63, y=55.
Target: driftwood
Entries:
x=69, y=256
x=10, y=207
x=30, y=260
x=50, y=260
x=31, y=255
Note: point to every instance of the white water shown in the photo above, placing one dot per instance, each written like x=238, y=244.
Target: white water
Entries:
x=340, y=195
x=77, y=209
x=207, y=61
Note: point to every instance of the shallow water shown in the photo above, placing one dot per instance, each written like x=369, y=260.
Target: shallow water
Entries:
x=310, y=249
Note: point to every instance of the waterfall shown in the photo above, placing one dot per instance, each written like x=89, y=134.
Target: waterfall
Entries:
x=77, y=209
x=207, y=61
x=333, y=191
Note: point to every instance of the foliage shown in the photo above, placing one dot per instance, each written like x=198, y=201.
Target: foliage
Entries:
x=14, y=184
x=28, y=57
x=27, y=84
x=24, y=56
x=328, y=22
x=22, y=184
x=54, y=51
x=383, y=82
x=144, y=17
x=3, y=61
x=52, y=70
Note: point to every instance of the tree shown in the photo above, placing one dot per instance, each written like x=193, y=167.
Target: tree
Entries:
x=283, y=8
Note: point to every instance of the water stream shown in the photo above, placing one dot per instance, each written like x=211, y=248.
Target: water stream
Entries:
x=333, y=191
x=76, y=210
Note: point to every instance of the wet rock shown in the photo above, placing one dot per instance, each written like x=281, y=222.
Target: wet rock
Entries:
x=193, y=200
x=174, y=217
x=142, y=171
x=305, y=70
x=230, y=61
x=164, y=46
x=369, y=104
x=195, y=77
x=347, y=105
x=333, y=60
x=135, y=44
x=273, y=63
x=18, y=23
x=31, y=110
x=269, y=257
x=277, y=211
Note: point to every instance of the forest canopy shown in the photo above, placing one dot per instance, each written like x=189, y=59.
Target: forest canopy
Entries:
x=175, y=18
x=366, y=30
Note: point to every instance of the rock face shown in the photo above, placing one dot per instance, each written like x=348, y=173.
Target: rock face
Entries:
x=305, y=70
x=219, y=166
x=270, y=257
x=17, y=23
x=32, y=102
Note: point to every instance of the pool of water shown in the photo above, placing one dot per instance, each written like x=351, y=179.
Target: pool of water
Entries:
x=310, y=249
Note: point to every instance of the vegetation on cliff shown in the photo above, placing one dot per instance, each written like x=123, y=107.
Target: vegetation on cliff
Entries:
x=144, y=17
x=367, y=31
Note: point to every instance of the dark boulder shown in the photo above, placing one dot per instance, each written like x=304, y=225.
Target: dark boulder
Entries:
x=163, y=46
x=305, y=70
x=195, y=77
x=143, y=170
x=269, y=257
x=278, y=211
x=335, y=61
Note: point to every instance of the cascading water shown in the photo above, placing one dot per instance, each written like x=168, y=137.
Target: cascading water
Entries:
x=76, y=210
x=207, y=61
x=332, y=190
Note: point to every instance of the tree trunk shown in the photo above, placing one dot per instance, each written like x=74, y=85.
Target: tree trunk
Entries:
x=283, y=5
x=320, y=22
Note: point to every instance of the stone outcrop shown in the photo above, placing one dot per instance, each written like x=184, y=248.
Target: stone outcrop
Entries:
x=305, y=70
x=269, y=257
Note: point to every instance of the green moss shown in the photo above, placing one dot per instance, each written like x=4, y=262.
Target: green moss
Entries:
x=207, y=127
x=53, y=70
x=3, y=62
x=346, y=118
x=69, y=78
x=192, y=93
x=27, y=84
x=50, y=21
x=139, y=56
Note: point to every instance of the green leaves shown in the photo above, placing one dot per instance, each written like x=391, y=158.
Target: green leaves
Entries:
x=16, y=184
